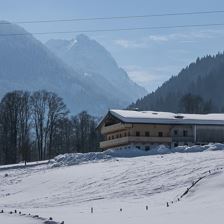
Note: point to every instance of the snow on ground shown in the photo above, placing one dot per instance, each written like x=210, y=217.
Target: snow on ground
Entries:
x=22, y=164
x=78, y=158
x=15, y=219
x=110, y=183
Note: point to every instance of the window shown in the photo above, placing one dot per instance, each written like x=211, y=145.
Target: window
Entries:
x=147, y=134
x=112, y=137
x=109, y=138
x=185, y=133
x=175, y=144
x=129, y=133
x=138, y=147
x=147, y=148
x=125, y=134
x=160, y=134
x=175, y=132
x=120, y=135
x=137, y=133
x=117, y=136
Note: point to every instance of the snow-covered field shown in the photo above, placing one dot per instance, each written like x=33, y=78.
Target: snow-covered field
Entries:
x=110, y=182
x=16, y=219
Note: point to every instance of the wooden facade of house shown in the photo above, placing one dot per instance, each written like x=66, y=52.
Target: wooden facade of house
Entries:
x=146, y=129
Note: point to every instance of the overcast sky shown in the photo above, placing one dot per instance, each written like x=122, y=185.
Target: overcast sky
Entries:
x=149, y=56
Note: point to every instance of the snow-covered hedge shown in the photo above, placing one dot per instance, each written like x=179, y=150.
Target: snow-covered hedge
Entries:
x=77, y=158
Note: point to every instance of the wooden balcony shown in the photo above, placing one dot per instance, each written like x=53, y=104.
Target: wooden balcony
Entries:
x=133, y=139
x=114, y=128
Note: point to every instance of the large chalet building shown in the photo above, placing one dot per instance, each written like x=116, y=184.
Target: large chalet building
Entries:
x=146, y=129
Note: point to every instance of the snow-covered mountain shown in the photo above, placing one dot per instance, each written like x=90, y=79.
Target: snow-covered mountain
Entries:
x=92, y=60
x=27, y=64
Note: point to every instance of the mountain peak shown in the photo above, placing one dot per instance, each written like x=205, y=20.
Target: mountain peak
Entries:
x=26, y=64
x=82, y=38
x=10, y=28
x=88, y=56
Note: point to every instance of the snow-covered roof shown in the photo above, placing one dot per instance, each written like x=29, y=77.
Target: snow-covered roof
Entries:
x=155, y=117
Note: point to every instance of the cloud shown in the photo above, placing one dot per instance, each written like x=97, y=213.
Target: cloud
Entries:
x=179, y=37
x=156, y=38
x=150, y=78
x=141, y=43
x=139, y=75
x=130, y=43
x=189, y=36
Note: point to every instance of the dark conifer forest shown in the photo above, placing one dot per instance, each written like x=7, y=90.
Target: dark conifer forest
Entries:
x=200, y=84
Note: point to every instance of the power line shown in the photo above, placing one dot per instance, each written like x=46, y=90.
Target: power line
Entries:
x=117, y=17
x=115, y=30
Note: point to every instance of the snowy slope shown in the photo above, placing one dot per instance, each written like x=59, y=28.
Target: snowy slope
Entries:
x=15, y=219
x=68, y=192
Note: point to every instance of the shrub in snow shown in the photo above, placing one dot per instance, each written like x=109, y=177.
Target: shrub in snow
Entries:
x=50, y=222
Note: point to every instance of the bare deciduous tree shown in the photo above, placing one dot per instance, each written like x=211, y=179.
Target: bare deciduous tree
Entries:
x=47, y=109
x=37, y=126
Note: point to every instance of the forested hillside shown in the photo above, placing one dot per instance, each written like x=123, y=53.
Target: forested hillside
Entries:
x=201, y=82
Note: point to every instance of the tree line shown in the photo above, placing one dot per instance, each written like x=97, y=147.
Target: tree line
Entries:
x=195, y=104
x=39, y=126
